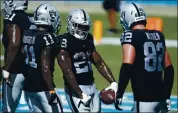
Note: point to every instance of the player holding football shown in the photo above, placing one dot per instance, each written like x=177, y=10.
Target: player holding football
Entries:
x=77, y=53
x=15, y=22
x=145, y=56
x=40, y=58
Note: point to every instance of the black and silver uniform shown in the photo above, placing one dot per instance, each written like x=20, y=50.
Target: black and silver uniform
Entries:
x=34, y=43
x=80, y=52
x=22, y=20
x=146, y=80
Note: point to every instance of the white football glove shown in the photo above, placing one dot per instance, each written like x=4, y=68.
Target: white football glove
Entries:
x=6, y=77
x=167, y=106
x=113, y=86
x=5, y=74
x=168, y=103
x=86, y=99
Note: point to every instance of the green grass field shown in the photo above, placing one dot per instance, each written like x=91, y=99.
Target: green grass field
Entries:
x=113, y=55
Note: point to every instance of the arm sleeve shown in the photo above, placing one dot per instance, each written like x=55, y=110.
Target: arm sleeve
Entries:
x=168, y=80
x=124, y=76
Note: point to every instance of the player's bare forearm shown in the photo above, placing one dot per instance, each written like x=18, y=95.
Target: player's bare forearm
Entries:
x=64, y=62
x=45, y=64
x=14, y=36
x=102, y=67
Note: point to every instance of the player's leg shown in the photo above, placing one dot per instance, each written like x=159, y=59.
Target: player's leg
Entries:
x=39, y=101
x=50, y=108
x=95, y=104
x=35, y=102
x=28, y=102
x=112, y=7
x=17, y=88
x=147, y=106
x=7, y=100
x=74, y=102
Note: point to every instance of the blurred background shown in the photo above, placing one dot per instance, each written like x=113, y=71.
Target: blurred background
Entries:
x=110, y=31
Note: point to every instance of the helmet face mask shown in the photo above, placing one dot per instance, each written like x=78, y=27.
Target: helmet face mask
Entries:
x=81, y=31
x=79, y=24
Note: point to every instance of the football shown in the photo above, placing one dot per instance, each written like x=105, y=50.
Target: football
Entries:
x=107, y=96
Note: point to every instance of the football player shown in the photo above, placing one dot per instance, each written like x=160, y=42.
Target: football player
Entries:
x=15, y=22
x=76, y=55
x=39, y=58
x=145, y=57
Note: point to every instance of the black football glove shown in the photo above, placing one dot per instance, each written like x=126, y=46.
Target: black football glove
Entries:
x=117, y=103
x=53, y=99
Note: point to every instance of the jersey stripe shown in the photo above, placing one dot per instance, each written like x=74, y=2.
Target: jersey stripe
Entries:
x=84, y=14
x=136, y=9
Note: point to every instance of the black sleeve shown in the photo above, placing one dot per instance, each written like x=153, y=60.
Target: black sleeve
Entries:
x=128, y=38
x=124, y=76
x=168, y=80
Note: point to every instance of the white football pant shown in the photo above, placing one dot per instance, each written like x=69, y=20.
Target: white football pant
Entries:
x=11, y=96
x=74, y=101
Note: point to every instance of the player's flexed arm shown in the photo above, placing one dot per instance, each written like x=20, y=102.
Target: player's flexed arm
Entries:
x=104, y=70
x=14, y=36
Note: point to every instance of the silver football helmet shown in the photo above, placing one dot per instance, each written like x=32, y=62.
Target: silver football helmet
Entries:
x=79, y=23
x=131, y=13
x=10, y=5
x=48, y=15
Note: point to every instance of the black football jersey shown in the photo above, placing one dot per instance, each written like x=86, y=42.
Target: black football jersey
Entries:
x=22, y=20
x=80, y=52
x=147, y=83
x=34, y=43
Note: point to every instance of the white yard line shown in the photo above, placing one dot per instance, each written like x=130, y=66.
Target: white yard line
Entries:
x=116, y=41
